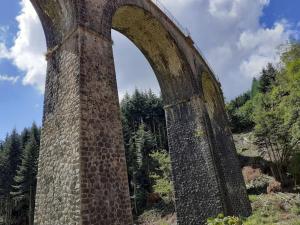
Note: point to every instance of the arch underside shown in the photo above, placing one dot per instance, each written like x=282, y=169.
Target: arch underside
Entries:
x=159, y=47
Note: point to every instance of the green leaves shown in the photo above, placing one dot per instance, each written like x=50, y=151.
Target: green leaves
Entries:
x=18, y=167
x=222, y=220
x=277, y=113
x=161, y=176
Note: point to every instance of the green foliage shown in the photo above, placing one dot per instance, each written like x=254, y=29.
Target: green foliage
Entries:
x=254, y=88
x=240, y=113
x=269, y=209
x=144, y=107
x=144, y=130
x=18, y=166
x=141, y=144
x=272, y=108
x=222, y=220
x=24, y=187
x=277, y=116
x=267, y=79
x=11, y=160
x=253, y=198
x=162, y=177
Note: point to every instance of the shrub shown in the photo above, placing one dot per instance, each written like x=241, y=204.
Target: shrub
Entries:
x=161, y=177
x=224, y=220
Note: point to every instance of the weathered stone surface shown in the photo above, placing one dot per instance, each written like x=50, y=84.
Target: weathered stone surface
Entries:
x=82, y=170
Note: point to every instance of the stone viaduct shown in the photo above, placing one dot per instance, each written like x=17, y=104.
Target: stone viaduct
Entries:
x=82, y=169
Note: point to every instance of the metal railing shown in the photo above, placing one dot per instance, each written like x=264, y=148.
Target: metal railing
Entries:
x=163, y=8
x=206, y=61
x=184, y=30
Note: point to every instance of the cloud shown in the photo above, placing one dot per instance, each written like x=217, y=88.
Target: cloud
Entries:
x=230, y=35
x=10, y=79
x=228, y=32
x=29, y=47
x=261, y=45
x=27, y=52
x=232, y=38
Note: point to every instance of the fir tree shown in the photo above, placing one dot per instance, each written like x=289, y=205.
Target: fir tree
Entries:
x=267, y=79
x=24, y=187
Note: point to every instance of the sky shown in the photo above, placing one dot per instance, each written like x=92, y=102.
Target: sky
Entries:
x=237, y=37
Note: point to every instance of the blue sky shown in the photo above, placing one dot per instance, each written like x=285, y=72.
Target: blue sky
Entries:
x=242, y=35
x=20, y=104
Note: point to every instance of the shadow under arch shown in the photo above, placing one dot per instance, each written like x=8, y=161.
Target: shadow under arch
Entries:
x=82, y=170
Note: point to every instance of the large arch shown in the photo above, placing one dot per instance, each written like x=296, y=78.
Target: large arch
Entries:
x=82, y=170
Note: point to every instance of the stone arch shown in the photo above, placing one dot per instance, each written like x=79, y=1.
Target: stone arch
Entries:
x=159, y=47
x=82, y=169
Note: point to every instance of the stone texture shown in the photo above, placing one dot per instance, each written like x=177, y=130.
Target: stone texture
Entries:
x=82, y=170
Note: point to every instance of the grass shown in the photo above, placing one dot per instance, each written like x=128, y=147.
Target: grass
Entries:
x=268, y=209
x=271, y=209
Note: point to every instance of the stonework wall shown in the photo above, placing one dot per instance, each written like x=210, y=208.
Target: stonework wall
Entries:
x=193, y=167
x=104, y=182
x=58, y=189
x=82, y=175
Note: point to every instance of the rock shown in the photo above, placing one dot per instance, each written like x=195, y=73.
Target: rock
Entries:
x=274, y=186
x=251, y=173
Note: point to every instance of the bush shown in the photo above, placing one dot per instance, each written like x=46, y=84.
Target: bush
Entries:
x=224, y=220
x=161, y=177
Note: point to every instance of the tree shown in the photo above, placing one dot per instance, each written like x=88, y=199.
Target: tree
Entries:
x=240, y=113
x=162, y=176
x=277, y=113
x=18, y=168
x=12, y=155
x=267, y=78
x=141, y=145
x=146, y=107
x=254, y=87
x=24, y=188
x=10, y=161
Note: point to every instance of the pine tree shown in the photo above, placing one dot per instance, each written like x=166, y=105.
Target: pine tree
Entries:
x=254, y=87
x=13, y=150
x=267, y=79
x=142, y=144
x=24, y=188
x=9, y=163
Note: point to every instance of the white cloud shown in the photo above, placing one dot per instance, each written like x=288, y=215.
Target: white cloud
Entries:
x=231, y=36
x=28, y=50
x=261, y=45
x=228, y=31
x=10, y=79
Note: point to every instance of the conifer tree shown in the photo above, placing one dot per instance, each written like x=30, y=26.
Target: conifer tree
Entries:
x=267, y=79
x=24, y=187
x=142, y=144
